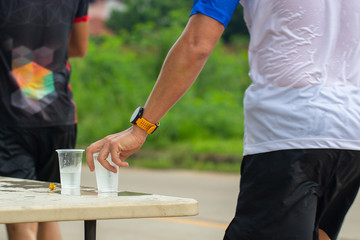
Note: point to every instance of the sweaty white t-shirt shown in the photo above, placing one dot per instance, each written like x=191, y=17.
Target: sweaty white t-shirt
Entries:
x=304, y=58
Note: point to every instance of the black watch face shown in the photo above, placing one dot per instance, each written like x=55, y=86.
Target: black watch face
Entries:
x=137, y=114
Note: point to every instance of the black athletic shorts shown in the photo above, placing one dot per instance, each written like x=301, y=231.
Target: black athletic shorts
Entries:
x=29, y=153
x=290, y=194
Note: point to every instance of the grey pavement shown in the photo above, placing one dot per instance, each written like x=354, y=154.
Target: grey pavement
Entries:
x=216, y=193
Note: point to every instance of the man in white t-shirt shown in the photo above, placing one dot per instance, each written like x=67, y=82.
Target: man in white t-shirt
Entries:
x=301, y=167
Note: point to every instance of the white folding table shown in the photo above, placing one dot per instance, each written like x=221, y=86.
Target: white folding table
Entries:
x=32, y=201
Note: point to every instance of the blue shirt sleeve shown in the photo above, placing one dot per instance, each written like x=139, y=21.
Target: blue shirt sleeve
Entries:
x=220, y=10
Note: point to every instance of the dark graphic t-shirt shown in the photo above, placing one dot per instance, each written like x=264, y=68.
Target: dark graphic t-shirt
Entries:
x=34, y=69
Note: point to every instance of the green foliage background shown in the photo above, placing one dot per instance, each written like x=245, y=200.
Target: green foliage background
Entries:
x=119, y=71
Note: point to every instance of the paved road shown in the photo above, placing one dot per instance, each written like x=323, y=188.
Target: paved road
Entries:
x=215, y=192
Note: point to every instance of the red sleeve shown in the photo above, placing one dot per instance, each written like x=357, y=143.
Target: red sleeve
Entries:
x=81, y=19
x=82, y=11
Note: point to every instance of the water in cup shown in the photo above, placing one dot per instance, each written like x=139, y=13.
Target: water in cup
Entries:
x=70, y=177
x=70, y=161
x=106, y=180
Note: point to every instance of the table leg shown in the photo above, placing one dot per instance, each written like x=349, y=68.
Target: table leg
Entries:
x=90, y=229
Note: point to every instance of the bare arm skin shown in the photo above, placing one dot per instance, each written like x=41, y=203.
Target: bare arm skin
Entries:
x=181, y=67
x=79, y=40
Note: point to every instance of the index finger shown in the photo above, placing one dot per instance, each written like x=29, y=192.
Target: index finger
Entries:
x=90, y=150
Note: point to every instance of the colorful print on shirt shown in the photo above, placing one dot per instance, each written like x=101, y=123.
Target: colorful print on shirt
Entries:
x=34, y=68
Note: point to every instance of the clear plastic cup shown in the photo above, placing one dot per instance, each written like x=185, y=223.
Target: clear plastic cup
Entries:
x=70, y=161
x=107, y=181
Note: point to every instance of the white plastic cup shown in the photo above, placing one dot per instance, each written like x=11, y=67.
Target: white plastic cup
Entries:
x=70, y=161
x=107, y=181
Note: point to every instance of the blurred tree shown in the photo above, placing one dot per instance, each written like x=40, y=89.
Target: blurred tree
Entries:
x=142, y=11
x=236, y=27
x=164, y=14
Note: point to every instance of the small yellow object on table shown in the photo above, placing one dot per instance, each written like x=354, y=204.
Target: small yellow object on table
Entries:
x=52, y=186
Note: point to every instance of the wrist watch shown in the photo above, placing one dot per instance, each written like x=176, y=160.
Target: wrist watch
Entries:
x=136, y=119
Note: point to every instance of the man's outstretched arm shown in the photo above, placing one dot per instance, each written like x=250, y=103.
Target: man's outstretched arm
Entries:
x=181, y=67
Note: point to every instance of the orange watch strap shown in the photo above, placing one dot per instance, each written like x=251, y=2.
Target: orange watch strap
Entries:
x=146, y=125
